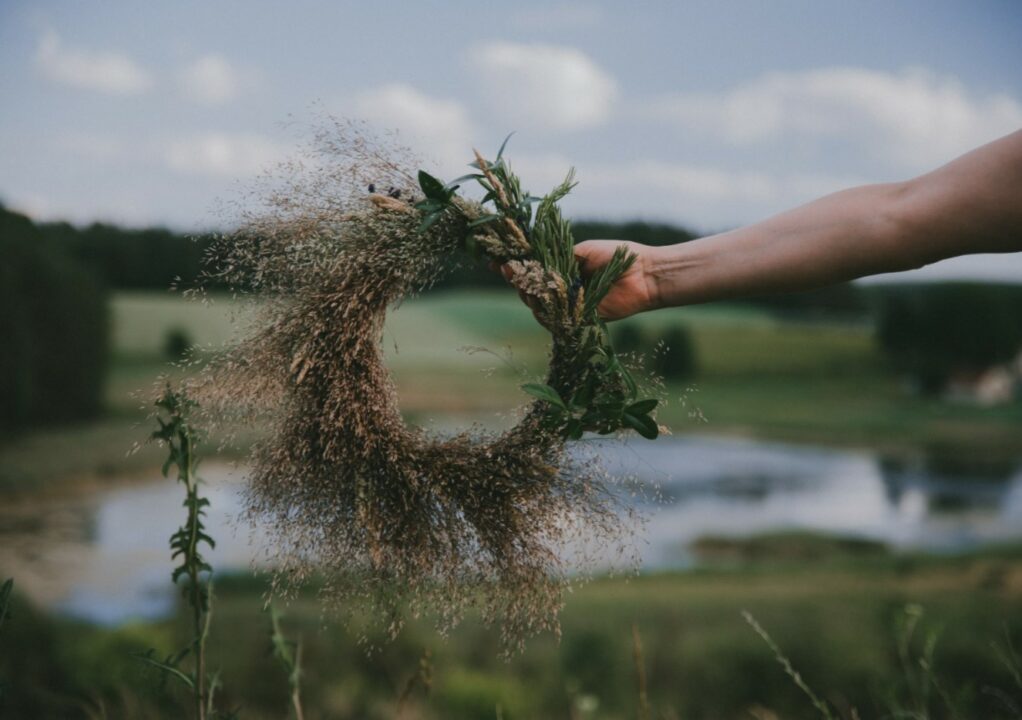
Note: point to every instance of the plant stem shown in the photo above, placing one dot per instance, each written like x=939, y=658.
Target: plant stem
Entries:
x=290, y=659
x=640, y=673
x=200, y=628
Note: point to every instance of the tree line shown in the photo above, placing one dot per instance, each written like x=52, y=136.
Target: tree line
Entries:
x=53, y=327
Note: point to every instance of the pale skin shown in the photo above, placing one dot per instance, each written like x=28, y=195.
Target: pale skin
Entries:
x=971, y=205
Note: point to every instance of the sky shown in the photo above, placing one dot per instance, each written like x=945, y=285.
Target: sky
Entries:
x=705, y=114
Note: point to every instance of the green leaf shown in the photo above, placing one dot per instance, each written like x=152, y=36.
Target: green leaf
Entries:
x=429, y=205
x=642, y=424
x=457, y=181
x=483, y=220
x=642, y=407
x=432, y=188
x=544, y=392
x=429, y=220
x=165, y=667
x=573, y=430
x=500, y=153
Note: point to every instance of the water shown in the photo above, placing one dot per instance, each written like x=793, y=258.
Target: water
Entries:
x=105, y=557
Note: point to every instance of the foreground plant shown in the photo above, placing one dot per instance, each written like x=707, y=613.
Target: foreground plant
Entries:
x=289, y=654
x=193, y=573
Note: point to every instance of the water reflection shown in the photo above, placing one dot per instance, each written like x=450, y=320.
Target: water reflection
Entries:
x=106, y=557
x=739, y=488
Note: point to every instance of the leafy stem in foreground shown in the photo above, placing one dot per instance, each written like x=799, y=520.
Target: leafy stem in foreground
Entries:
x=193, y=572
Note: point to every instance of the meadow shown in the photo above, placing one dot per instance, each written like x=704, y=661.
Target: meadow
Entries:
x=840, y=620
x=841, y=613
x=459, y=357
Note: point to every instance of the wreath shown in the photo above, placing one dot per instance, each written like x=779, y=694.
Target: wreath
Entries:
x=394, y=517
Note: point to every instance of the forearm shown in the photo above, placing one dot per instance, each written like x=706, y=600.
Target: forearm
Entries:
x=973, y=204
x=836, y=238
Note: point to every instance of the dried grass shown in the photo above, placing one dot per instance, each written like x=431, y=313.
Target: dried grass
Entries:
x=399, y=520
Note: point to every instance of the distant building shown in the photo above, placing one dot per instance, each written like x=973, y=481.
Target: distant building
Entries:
x=996, y=385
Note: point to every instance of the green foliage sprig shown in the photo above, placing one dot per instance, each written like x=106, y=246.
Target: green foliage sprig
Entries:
x=178, y=434
x=588, y=388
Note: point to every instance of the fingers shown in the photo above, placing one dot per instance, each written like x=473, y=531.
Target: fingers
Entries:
x=529, y=301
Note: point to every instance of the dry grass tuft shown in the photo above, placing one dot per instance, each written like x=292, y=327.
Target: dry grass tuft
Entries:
x=401, y=521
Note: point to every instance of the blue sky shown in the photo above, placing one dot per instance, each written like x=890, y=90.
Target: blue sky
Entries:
x=708, y=114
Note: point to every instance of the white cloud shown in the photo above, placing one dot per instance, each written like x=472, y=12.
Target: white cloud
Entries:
x=106, y=72
x=558, y=16
x=703, y=196
x=437, y=128
x=224, y=154
x=544, y=86
x=710, y=196
x=211, y=80
x=915, y=118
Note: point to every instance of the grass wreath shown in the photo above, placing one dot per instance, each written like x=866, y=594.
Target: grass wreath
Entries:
x=398, y=519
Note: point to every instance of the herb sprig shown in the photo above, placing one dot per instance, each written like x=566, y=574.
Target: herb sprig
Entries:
x=588, y=388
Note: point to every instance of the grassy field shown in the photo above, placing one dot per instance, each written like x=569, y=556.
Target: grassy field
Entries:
x=833, y=607
x=837, y=618
x=460, y=357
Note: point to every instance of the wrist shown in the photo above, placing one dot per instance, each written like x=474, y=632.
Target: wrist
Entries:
x=676, y=274
x=653, y=276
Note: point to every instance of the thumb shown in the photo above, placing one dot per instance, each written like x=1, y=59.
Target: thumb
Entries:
x=594, y=254
x=588, y=253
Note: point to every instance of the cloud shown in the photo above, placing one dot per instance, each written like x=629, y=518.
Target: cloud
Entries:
x=543, y=86
x=210, y=80
x=439, y=129
x=106, y=72
x=224, y=154
x=557, y=16
x=705, y=195
x=914, y=117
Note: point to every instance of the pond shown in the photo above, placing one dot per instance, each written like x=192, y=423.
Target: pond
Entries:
x=104, y=556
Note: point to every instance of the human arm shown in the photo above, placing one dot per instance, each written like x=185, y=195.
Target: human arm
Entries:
x=971, y=205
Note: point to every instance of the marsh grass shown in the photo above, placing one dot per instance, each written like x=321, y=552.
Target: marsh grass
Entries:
x=789, y=669
x=918, y=692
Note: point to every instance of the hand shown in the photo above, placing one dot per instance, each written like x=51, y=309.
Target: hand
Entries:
x=635, y=291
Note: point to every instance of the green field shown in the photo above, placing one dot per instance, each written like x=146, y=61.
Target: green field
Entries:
x=757, y=376
x=460, y=357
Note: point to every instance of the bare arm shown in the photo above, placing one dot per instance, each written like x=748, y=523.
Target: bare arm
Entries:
x=970, y=205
